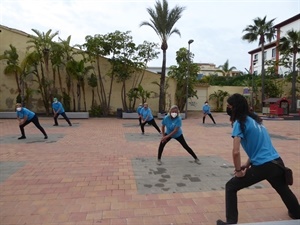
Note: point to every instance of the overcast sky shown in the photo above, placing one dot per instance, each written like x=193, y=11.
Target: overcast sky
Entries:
x=216, y=26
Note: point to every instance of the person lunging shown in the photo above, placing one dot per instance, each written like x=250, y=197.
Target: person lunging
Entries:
x=171, y=128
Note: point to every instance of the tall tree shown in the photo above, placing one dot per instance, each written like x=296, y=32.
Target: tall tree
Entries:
x=12, y=60
x=225, y=70
x=184, y=82
x=290, y=45
x=162, y=21
x=219, y=96
x=263, y=31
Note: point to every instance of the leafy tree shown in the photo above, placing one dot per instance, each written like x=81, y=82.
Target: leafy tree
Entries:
x=98, y=46
x=262, y=31
x=162, y=21
x=57, y=62
x=224, y=69
x=219, y=96
x=274, y=88
x=79, y=72
x=93, y=83
x=290, y=45
x=42, y=44
x=185, y=75
x=67, y=55
x=12, y=60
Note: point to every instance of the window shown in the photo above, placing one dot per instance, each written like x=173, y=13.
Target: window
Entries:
x=255, y=57
x=255, y=72
x=265, y=55
x=273, y=52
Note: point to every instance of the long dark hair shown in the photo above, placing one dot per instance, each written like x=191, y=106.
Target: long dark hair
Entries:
x=240, y=110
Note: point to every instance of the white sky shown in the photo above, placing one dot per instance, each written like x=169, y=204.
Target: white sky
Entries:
x=216, y=26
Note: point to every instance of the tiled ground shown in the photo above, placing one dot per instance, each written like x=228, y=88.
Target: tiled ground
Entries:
x=103, y=171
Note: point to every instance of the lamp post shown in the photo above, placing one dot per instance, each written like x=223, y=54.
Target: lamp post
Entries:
x=187, y=77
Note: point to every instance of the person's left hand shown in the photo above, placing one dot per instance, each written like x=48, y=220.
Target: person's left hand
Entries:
x=163, y=139
x=241, y=173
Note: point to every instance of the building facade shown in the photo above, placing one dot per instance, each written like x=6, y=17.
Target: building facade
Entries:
x=271, y=51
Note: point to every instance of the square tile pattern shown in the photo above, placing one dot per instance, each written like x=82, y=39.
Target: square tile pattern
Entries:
x=182, y=174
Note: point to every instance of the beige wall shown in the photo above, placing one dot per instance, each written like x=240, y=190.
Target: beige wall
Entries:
x=8, y=88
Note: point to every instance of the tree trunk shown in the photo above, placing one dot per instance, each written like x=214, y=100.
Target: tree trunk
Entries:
x=162, y=84
x=293, y=106
x=262, y=75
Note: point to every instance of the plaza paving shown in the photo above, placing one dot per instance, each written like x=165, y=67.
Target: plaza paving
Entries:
x=103, y=171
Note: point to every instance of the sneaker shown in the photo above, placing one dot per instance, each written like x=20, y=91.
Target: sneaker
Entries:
x=70, y=124
x=55, y=124
x=220, y=222
x=158, y=162
x=291, y=215
x=143, y=133
x=22, y=137
x=46, y=137
x=197, y=161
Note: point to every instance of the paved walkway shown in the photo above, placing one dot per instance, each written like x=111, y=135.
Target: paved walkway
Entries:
x=103, y=171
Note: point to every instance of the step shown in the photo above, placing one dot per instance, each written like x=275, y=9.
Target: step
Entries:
x=282, y=222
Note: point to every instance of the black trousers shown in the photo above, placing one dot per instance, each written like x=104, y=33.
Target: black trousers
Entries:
x=63, y=115
x=35, y=121
x=210, y=117
x=153, y=123
x=268, y=171
x=182, y=141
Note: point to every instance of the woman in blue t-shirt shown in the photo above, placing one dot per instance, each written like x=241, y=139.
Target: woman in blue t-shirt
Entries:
x=206, y=111
x=25, y=116
x=249, y=132
x=147, y=117
x=172, y=122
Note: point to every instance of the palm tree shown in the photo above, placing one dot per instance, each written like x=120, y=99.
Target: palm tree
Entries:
x=225, y=70
x=290, y=45
x=263, y=31
x=13, y=67
x=43, y=43
x=219, y=96
x=162, y=21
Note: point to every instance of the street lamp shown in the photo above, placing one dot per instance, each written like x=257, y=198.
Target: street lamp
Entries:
x=187, y=77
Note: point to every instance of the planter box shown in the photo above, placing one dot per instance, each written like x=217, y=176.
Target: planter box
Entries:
x=8, y=115
x=132, y=115
x=182, y=115
x=160, y=116
x=76, y=115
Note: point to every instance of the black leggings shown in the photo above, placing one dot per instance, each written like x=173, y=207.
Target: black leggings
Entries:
x=182, y=141
x=63, y=115
x=35, y=121
x=268, y=171
x=209, y=114
x=153, y=123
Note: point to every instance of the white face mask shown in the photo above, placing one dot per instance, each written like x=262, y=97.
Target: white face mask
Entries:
x=55, y=101
x=173, y=114
x=206, y=103
x=19, y=108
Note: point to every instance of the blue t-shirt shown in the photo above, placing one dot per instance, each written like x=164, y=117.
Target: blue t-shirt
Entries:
x=58, y=105
x=206, y=109
x=171, y=124
x=255, y=141
x=146, y=112
x=25, y=112
x=138, y=110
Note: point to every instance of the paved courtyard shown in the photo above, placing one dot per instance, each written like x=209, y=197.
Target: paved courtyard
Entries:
x=103, y=171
